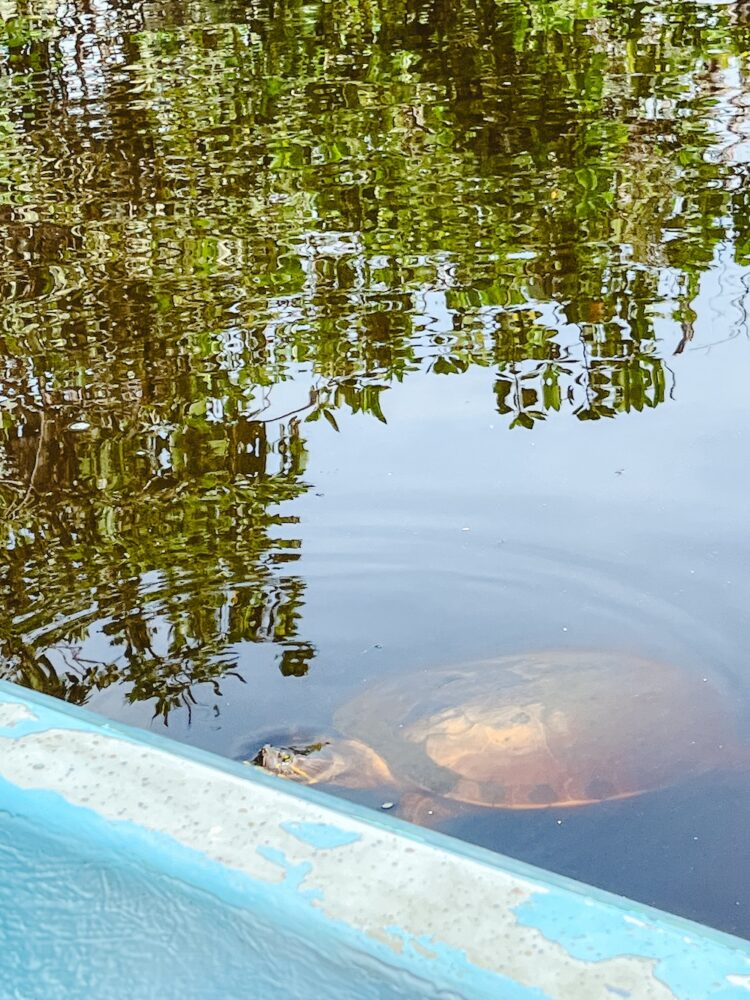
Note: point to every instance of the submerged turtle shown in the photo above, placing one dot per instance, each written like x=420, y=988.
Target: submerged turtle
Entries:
x=521, y=732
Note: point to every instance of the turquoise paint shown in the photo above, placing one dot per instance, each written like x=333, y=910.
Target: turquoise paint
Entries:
x=79, y=923
x=294, y=875
x=690, y=968
x=324, y=836
x=417, y=945
x=147, y=850
x=94, y=925
x=53, y=714
x=277, y=933
x=44, y=719
x=277, y=928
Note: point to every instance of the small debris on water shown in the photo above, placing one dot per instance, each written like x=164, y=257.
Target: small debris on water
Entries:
x=388, y=805
x=79, y=425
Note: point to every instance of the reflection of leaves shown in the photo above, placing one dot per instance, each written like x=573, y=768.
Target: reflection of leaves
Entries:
x=604, y=390
x=451, y=365
x=35, y=671
x=370, y=401
x=523, y=419
x=295, y=660
x=170, y=685
x=169, y=622
x=21, y=32
x=551, y=391
x=333, y=193
x=331, y=419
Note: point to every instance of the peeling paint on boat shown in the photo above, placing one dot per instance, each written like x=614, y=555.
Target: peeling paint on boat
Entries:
x=13, y=714
x=324, y=835
x=318, y=893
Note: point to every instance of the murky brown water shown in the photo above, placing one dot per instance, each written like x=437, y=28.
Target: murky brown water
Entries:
x=340, y=340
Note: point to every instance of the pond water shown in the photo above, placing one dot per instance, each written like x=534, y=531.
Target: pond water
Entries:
x=344, y=340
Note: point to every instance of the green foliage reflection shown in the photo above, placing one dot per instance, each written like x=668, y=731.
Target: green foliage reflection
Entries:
x=208, y=207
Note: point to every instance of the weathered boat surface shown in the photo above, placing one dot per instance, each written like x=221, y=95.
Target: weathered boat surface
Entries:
x=136, y=867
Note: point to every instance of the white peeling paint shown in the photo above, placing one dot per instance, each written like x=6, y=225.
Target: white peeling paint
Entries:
x=380, y=880
x=11, y=714
x=302, y=883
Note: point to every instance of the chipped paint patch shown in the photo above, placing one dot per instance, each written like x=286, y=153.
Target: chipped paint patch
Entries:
x=26, y=716
x=294, y=874
x=454, y=920
x=12, y=715
x=128, y=900
x=422, y=949
x=412, y=946
x=686, y=966
x=324, y=836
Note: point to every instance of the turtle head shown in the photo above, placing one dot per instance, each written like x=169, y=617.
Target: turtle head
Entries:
x=296, y=763
x=347, y=763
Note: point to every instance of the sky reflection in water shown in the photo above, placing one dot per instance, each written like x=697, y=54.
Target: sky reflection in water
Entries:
x=340, y=340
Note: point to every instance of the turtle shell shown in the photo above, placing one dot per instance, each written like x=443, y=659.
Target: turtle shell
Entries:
x=546, y=729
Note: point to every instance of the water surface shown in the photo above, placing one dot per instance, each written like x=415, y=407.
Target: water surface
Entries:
x=344, y=339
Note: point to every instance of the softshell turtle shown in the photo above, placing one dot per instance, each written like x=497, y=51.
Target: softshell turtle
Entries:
x=561, y=729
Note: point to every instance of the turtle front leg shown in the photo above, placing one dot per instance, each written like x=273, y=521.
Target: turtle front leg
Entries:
x=426, y=810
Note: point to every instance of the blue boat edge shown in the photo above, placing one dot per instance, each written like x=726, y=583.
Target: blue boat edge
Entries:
x=374, y=907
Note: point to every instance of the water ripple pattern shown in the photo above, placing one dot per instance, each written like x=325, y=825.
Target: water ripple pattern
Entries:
x=339, y=340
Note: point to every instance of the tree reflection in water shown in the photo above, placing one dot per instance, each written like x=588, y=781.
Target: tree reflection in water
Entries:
x=210, y=208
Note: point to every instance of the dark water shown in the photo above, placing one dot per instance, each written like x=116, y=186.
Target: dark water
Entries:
x=344, y=339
